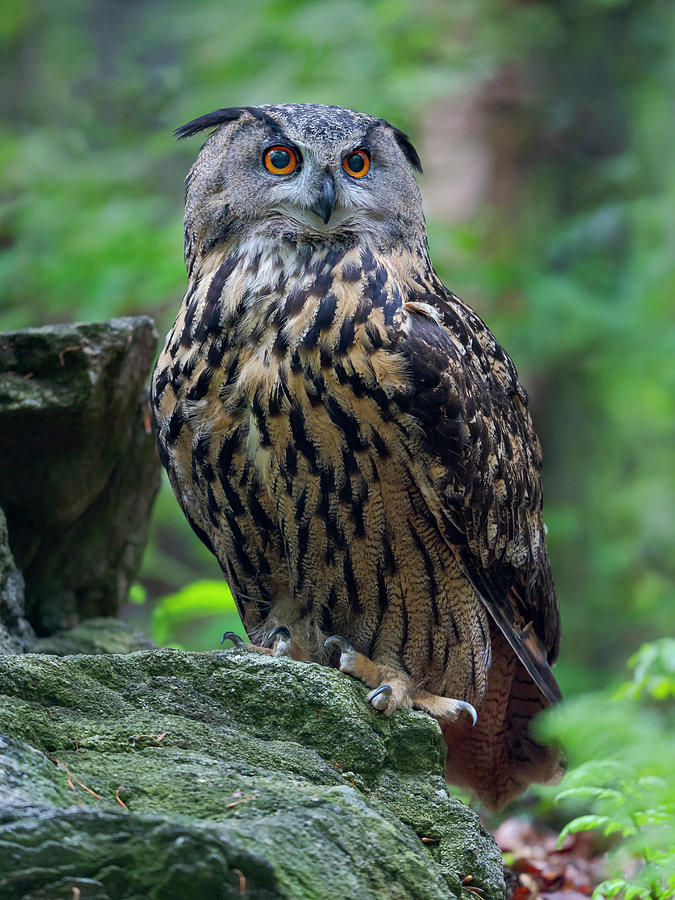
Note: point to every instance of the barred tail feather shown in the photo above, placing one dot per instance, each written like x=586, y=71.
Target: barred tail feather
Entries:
x=498, y=758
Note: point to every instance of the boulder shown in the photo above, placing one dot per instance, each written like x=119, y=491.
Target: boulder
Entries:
x=228, y=774
x=78, y=465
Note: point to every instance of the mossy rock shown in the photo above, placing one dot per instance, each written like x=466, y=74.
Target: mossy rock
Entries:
x=240, y=774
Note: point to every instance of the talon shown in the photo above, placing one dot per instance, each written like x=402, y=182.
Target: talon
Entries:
x=283, y=645
x=384, y=691
x=281, y=630
x=342, y=643
x=347, y=652
x=467, y=707
x=236, y=640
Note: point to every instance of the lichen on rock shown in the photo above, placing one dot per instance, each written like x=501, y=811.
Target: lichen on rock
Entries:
x=166, y=774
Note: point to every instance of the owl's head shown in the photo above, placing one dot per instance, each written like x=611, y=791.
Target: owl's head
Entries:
x=301, y=171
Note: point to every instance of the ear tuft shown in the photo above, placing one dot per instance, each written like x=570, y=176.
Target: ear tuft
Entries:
x=210, y=120
x=409, y=151
x=220, y=117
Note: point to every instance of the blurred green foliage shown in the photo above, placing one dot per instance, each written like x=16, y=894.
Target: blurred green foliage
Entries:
x=200, y=606
x=621, y=779
x=568, y=254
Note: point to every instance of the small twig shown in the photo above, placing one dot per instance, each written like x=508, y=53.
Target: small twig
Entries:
x=466, y=884
x=88, y=789
x=237, y=802
x=59, y=765
x=68, y=350
x=69, y=776
x=119, y=799
x=242, y=881
x=148, y=737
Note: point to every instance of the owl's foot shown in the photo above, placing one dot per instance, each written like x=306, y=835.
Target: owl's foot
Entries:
x=393, y=689
x=282, y=646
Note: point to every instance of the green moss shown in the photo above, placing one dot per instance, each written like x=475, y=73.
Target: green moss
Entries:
x=227, y=762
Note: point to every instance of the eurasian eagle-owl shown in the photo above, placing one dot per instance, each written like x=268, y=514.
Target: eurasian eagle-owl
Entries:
x=348, y=438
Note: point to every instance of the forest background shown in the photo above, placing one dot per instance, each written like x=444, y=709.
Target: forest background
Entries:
x=546, y=130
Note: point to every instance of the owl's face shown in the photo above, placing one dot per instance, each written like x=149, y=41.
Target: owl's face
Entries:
x=302, y=171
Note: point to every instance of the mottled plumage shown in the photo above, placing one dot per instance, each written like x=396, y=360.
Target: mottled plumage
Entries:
x=349, y=439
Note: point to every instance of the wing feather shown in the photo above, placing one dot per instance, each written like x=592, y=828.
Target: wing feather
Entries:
x=484, y=455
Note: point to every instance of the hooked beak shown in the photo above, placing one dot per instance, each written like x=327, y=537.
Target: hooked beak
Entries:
x=325, y=203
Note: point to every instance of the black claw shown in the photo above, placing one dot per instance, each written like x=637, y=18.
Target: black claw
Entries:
x=236, y=640
x=383, y=689
x=342, y=643
x=281, y=631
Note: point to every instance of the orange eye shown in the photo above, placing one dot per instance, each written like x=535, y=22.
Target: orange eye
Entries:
x=280, y=160
x=357, y=163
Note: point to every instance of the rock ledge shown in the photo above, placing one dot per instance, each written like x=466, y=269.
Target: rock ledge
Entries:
x=162, y=774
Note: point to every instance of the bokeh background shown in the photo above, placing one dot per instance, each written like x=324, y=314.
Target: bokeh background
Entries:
x=547, y=135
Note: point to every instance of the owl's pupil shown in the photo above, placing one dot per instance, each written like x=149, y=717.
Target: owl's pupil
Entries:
x=280, y=159
x=356, y=162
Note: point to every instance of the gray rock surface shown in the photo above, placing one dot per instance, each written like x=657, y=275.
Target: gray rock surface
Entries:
x=240, y=775
x=78, y=466
x=16, y=635
x=99, y=635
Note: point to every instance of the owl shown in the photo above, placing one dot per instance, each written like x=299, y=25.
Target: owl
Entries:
x=350, y=441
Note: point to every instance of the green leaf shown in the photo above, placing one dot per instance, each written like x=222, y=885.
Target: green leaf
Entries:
x=652, y=782
x=609, y=888
x=582, y=823
x=614, y=827
x=587, y=792
x=595, y=772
